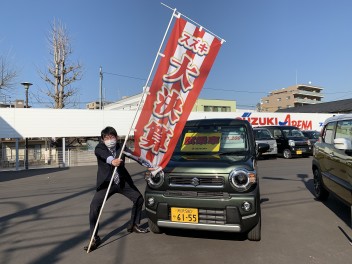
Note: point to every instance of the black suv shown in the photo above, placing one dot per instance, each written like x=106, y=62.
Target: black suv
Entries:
x=211, y=182
x=332, y=159
x=290, y=141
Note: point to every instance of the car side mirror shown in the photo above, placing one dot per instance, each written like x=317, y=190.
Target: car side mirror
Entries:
x=343, y=143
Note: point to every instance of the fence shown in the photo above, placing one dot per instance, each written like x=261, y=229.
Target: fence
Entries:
x=73, y=157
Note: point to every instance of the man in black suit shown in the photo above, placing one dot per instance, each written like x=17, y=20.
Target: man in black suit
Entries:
x=107, y=153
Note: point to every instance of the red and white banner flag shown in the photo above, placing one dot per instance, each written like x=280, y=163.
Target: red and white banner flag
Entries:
x=188, y=58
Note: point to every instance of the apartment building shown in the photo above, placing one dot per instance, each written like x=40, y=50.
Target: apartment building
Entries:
x=293, y=96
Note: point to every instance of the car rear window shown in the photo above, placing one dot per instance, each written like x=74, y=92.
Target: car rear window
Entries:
x=262, y=134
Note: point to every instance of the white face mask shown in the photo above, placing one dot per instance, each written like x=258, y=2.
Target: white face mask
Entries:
x=110, y=143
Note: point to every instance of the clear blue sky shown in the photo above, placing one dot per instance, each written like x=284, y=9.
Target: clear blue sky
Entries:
x=270, y=44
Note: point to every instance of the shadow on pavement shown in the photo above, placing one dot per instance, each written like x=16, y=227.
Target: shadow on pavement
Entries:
x=335, y=205
x=15, y=175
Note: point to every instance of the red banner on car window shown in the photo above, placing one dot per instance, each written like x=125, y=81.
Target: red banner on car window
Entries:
x=188, y=58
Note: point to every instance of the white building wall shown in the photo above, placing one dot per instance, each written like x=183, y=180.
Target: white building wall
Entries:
x=35, y=122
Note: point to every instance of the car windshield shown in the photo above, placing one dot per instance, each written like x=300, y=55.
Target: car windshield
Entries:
x=205, y=140
x=292, y=132
x=262, y=134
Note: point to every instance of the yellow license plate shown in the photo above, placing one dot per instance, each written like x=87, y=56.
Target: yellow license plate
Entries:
x=186, y=215
x=298, y=152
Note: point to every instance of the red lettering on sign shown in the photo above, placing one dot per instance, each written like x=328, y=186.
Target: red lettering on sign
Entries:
x=184, y=70
x=156, y=137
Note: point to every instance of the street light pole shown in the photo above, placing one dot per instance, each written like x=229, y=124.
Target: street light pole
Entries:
x=26, y=87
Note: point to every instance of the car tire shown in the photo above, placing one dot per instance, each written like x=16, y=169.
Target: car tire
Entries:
x=154, y=227
x=255, y=233
x=319, y=191
x=287, y=154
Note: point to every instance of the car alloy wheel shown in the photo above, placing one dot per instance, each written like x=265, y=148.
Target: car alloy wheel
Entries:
x=287, y=154
x=319, y=191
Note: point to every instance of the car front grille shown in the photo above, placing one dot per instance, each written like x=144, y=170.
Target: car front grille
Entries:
x=301, y=143
x=197, y=181
x=217, y=217
x=177, y=193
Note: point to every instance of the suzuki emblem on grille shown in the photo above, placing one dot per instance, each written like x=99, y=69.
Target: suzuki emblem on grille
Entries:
x=195, y=182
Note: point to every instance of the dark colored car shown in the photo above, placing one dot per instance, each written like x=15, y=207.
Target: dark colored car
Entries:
x=312, y=135
x=332, y=160
x=290, y=141
x=211, y=182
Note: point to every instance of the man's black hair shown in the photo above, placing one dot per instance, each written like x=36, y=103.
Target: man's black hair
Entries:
x=108, y=131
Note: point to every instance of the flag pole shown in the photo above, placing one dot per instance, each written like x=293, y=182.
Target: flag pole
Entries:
x=194, y=22
x=130, y=129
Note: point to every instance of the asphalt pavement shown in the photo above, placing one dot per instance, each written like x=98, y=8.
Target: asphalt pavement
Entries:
x=44, y=219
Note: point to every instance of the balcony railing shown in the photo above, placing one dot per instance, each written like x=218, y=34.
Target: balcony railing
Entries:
x=302, y=92
x=306, y=101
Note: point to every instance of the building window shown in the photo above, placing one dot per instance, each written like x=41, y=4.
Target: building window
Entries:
x=214, y=108
x=266, y=101
x=287, y=97
x=278, y=99
x=226, y=109
x=208, y=108
x=279, y=107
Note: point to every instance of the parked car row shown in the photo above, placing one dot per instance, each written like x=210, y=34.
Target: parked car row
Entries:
x=212, y=182
x=287, y=141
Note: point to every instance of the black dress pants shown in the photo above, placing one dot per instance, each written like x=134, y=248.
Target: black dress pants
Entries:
x=130, y=191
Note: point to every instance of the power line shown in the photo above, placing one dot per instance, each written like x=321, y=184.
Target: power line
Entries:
x=126, y=76
x=205, y=88
x=210, y=88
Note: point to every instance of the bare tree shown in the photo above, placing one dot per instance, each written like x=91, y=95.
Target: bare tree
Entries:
x=61, y=73
x=8, y=76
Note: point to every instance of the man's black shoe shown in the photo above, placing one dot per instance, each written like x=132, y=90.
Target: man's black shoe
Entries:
x=137, y=229
x=95, y=244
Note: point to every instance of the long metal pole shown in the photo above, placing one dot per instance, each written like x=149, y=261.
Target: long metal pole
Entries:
x=26, y=139
x=130, y=129
x=101, y=88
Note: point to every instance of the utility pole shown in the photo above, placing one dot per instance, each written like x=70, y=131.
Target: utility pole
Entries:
x=101, y=88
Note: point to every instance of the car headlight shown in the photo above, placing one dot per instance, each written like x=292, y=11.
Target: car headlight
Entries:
x=291, y=143
x=242, y=179
x=155, y=181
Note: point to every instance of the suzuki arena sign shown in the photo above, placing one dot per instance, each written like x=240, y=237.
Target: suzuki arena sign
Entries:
x=303, y=121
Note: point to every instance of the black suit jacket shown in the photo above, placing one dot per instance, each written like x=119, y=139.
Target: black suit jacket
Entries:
x=105, y=170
